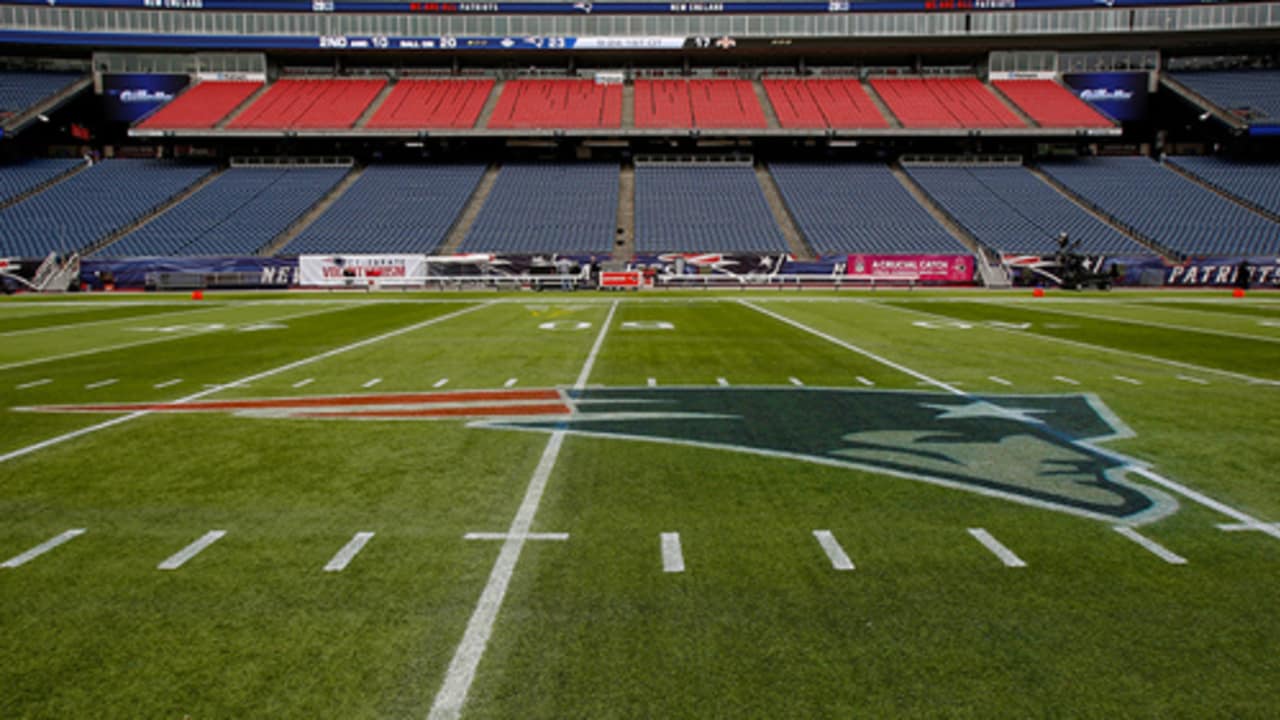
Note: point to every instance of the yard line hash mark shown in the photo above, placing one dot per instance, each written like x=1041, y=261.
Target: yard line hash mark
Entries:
x=348, y=551
x=181, y=557
x=510, y=383
x=1196, y=380
x=453, y=692
x=1067, y=380
x=997, y=548
x=101, y=383
x=652, y=382
x=1129, y=380
x=795, y=381
x=167, y=383
x=371, y=383
x=304, y=383
x=722, y=382
x=1151, y=546
x=999, y=380
x=42, y=548
x=672, y=554
x=1238, y=527
x=34, y=383
x=865, y=381
x=836, y=554
x=441, y=383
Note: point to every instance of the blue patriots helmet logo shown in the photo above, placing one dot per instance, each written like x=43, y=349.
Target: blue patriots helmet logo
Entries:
x=1037, y=450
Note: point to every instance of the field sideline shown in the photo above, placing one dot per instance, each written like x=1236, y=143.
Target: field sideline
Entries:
x=772, y=504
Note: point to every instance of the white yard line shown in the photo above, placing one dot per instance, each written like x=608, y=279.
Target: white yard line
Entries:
x=1151, y=546
x=101, y=383
x=1066, y=380
x=1147, y=323
x=1098, y=348
x=168, y=337
x=555, y=537
x=997, y=548
x=348, y=551
x=672, y=553
x=167, y=383
x=371, y=383
x=242, y=381
x=42, y=548
x=181, y=557
x=836, y=554
x=131, y=318
x=1196, y=380
x=1238, y=527
x=34, y=383
x=466, y=658
x=1193, y=495
x=865, y=381
x=999, y=380
x=304, y=382
x=1125, y=379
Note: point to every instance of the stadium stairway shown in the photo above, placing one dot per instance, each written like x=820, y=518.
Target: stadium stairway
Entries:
x=378, y=99
x=881, y=105
x=479, y=196
x=964, y=237
x=294, y=230
x=1169, y=82
x=43, y=186
x=628, y=106
x=490, y=105
x=1108, y=219
x=248, y=102
x=1211, y=187
x=191, y=189
x=626, y=213
x=796, y=241
x=770, y=115
x=1013, y=107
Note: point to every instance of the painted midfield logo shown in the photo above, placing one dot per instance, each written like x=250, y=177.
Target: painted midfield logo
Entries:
x=1037, y=449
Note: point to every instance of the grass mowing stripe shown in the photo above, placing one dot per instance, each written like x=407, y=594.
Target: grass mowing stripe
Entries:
x=466, y=659
x=42, y=548
x=1092, y=346
x=257, y=376
x=1130, y=465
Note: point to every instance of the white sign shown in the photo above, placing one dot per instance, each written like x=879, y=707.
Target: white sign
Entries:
x=331, y=270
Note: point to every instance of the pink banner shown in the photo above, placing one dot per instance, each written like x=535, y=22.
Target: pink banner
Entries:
x=922, y=268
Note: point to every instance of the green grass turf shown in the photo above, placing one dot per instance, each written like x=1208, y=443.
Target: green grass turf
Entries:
x=929, y=624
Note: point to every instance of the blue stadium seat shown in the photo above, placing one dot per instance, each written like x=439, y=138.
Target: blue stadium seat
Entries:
x=567, y=208
x=92, y=204
x=1010, y=210
x=1256, y=182
x=703, y=209
x=1167, y=207
x=859, y=208
x=392, y=208
x=24, y=177
x=1253, y=93
x=22, y=90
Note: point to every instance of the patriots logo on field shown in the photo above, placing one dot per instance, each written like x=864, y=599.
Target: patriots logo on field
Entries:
x=1037, y=450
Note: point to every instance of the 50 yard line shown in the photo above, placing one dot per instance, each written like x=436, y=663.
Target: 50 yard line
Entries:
x=248, y=379
x=1155, y=478
x=466, y=659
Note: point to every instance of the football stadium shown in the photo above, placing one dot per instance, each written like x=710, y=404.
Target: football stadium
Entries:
x=366, y=358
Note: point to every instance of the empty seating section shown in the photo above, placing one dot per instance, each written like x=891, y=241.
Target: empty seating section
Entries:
x=453, y=104
x=1255, y=182
x=1166, y=207
x=1252, y=94
x=712, y=209
x=392, y=208
x=92, y=204
x=22, y=90
x=548, y=208
x=557, y=103
x=944, y=103
x=697, y=104
x=201, y=106
x=823, y=103
x=25, y=177
x=1012, y=211
x=856, y=208
x=242, y=210
x=309, y=103
x=1050, y=104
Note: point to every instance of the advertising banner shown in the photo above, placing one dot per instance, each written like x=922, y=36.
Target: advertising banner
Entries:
x=248, y=272
x=1122, y=96
x=916, y=268
x=127, y=97
x=329, y=270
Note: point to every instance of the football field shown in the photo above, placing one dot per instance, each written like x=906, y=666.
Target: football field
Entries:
x=763, y=504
